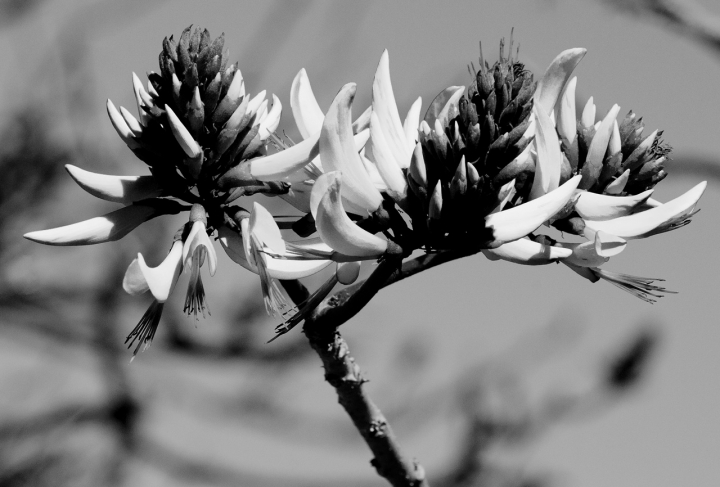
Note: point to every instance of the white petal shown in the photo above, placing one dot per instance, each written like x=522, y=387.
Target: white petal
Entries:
x=119, y=189
x=121, y=127
x=411, y=124
x=588, y=114
x=284, y=163
x=182, y=135
x=272, y=120
x=593, y=206
x=107, y=228
x=196, y=238
x=306, y=111
x=339, y=232
x=517, y=222
x=387, y=166
x=161, y=279
x=527, y=252
x=555, y=78
x=648, y=222
x=549, y=157
x=385, y=107
x=338, y=153
x=264, y=227
x=566, y=116
x=598, y=146
x=617, y=186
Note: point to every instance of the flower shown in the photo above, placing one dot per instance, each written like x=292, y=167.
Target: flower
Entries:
x=537, y=149
x=197, y=129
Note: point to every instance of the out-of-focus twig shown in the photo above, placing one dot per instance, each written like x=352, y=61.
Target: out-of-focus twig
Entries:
x=686, y=16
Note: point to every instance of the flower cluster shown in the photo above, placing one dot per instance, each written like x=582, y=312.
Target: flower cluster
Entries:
x=482, y=171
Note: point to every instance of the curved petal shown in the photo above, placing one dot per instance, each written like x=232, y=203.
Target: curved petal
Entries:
x=305, y=109
x=599, y=207
x=517, y=222
x=233, y=244
x=555, y=78
x=119, y=189
x=107, y=228
x=411, y=124
x=387, y=165
x=161, y=279
x=134, y=282
x=549, y=157
x=272, y=119
x=196, y=238
x=566, y=116
x=338, y=153
x=281, y=164
x=596, y=152
x=264, y=227
x=339, y=232
x=527, y=252
x=385, y=107
x=652, y=221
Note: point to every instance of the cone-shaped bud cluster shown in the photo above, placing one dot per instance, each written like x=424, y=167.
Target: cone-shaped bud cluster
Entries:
x=197, y=121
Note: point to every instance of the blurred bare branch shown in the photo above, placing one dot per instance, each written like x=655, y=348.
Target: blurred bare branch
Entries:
x=686, y=16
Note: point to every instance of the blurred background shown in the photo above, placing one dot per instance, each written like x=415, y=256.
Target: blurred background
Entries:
x=491, y=374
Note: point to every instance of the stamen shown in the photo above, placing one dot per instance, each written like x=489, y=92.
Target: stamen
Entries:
x=195, y=297
x=144, y=332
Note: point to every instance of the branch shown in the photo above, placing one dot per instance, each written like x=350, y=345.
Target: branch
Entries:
x=344, y=375
x=341, y=371
x=687, y=16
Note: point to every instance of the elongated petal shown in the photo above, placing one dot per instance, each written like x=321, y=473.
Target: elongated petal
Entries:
x=583, y=254
x=517, y=222
x=141, y=99
x=233, y=244
x=527, y=252
x=305, y=109
x=338, y=153
x=588, y=114
x=387, y=166
x=121, y=127
x=617, y=186
x=182, y=135
x=256, y=101
x=411, y=124
x=132, y=122
x=596, y=152
x=439, y=103
x=196, y=238
x=549, y=157
x=385, y=107
x=161, y=279
x=264, y=227
x=566, y=117
x=107, y=228
x=451, y=105
x=600, y=207
x=119, y=189
x=272, y=120
x=655, y=220
x=339, y=232
x=281, y=164
x=555, y=78
x=134, y=282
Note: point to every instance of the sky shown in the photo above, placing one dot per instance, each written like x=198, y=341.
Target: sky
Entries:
x=471, y=310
